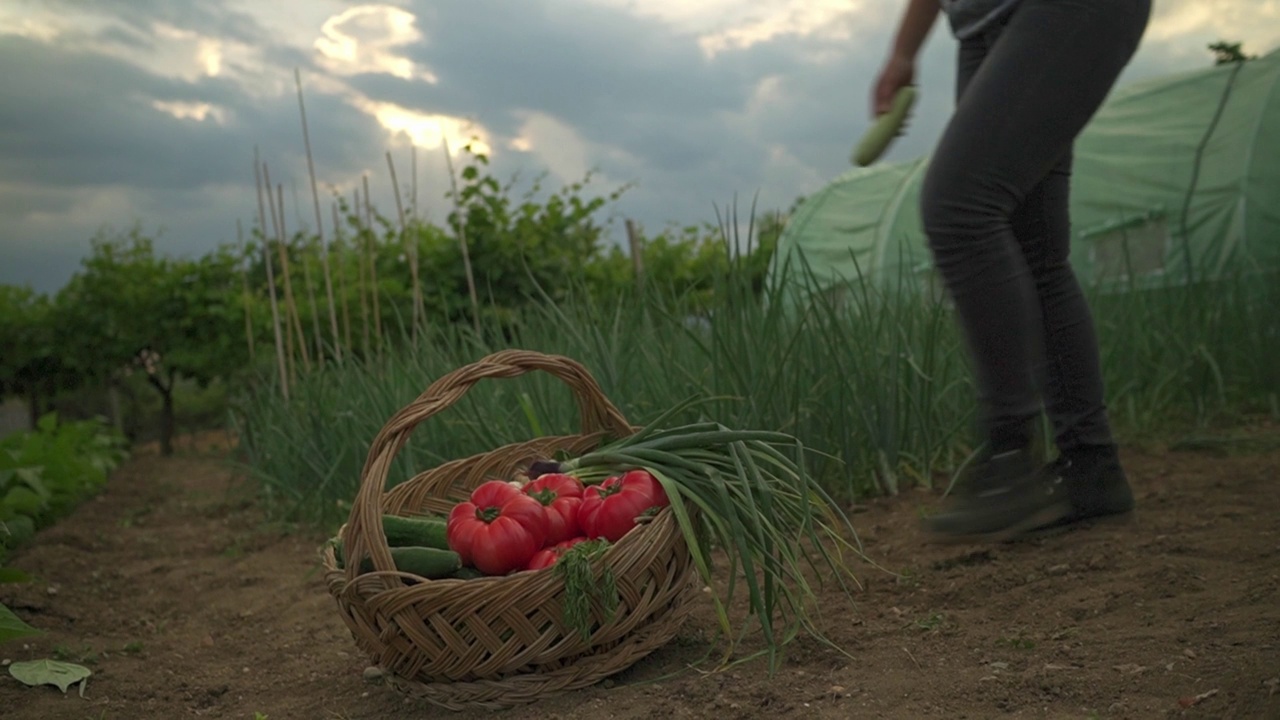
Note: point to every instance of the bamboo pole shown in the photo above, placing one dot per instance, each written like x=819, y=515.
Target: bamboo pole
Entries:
x=413, y=168
x=361, y=257
x=277, y=214
x=637, y=252
x=373, y=266
x=308, y=245
x=289, y=335
x=315, y=196
x=341, y=248
x=283, y=247
x=411, y=251
x=271, y=281
x=244, y=293
x=462, y=240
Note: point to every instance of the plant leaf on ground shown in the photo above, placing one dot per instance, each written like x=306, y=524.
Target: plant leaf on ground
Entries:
x=51, y=672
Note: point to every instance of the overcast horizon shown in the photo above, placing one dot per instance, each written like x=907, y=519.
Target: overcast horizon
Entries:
x=148, y=111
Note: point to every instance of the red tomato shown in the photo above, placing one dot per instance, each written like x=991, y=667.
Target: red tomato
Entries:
x=498, y=529
x=548, y=556
x=560, y=495
x=610, y=510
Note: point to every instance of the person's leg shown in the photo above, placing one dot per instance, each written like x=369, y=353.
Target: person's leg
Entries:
x=1071, y=376
x=1039, y=84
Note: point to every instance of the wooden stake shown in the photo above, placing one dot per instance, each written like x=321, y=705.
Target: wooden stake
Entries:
x=271, y=281
x=462, y=239
x=361, y=247
x=283, y=247
x=637, y=251
x=291, y=305
x=373, y=266
x=244, y=292
x=304, y=256
x=411, y=251
x=413, y=168
x=315, y=196
x=341, y=248
x=289, y=336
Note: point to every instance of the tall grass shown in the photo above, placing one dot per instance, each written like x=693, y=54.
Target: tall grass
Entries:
x=1196, y=355
x=871, y=376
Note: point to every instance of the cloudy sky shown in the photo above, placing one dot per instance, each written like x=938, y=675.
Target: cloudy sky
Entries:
x=121, y=111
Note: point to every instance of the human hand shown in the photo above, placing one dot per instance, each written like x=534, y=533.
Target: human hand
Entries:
x=897, y=73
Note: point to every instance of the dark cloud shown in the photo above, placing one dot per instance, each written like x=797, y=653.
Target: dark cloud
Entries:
x=125, y=36
x=83, y=145
x=87, y=119
x=212, y=19
x=588, y=65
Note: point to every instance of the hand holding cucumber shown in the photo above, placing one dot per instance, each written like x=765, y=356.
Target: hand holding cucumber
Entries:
x=892, y=101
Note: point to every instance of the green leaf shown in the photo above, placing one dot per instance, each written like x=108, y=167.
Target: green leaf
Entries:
x=50, y=672
x=23, y=501
x=30, y=476
x=12, y=626
x=16, y=530
x=13, y=575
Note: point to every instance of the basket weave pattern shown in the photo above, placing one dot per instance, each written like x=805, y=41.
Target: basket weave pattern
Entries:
x=497, y=642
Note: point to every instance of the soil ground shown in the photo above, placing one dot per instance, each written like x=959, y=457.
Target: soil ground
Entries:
x=185, y=604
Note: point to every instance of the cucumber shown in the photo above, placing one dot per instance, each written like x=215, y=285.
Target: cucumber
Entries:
x=467, y=573
x=428, y=562
x=885, y=128
x=420, y=531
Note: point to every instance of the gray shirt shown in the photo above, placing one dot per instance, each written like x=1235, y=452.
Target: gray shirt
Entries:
x=970, y=17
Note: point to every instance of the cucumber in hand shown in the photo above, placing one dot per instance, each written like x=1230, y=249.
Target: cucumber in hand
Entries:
x=886, y=128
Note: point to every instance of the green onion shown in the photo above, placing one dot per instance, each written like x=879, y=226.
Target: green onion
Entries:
x=753, y=499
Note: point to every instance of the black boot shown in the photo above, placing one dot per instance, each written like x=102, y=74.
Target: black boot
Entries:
x=1006, y=496
x=1095, y=482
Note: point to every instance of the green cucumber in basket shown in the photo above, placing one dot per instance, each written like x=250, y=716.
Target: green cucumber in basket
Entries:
x=416, y=531
x=428, y=562
x=885, y=128
x=420, y=531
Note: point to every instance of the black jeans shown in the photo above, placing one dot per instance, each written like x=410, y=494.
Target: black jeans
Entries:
x=995, y=209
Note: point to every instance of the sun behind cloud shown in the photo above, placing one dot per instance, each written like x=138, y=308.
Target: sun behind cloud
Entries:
x=427, y=130
x=365, y=39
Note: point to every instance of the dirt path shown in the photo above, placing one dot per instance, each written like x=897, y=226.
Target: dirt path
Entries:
x=185, y=605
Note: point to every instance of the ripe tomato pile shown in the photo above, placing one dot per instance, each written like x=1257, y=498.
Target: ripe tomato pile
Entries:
x=505, y=527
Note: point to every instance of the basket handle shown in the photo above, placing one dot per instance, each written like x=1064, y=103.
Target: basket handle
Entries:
x=365, y=521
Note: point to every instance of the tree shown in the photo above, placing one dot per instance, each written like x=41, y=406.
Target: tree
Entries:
x=129, y=310
x=1225, y=53
x=29, y=366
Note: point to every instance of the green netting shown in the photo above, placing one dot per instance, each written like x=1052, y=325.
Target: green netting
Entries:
x=1176, y=179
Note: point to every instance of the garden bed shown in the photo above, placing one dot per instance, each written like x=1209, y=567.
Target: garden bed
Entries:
x=171, y=588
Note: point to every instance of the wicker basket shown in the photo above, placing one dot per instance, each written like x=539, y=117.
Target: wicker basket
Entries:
x=498, y=642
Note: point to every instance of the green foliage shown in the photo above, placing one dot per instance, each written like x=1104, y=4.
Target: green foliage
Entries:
x=515, y=248
x=875, y=379
x=45, y=473
x=30, y=365
x=130, y=310
x=133, y=317
x=1225, y=53
x=12, y=627
x=22, y=324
